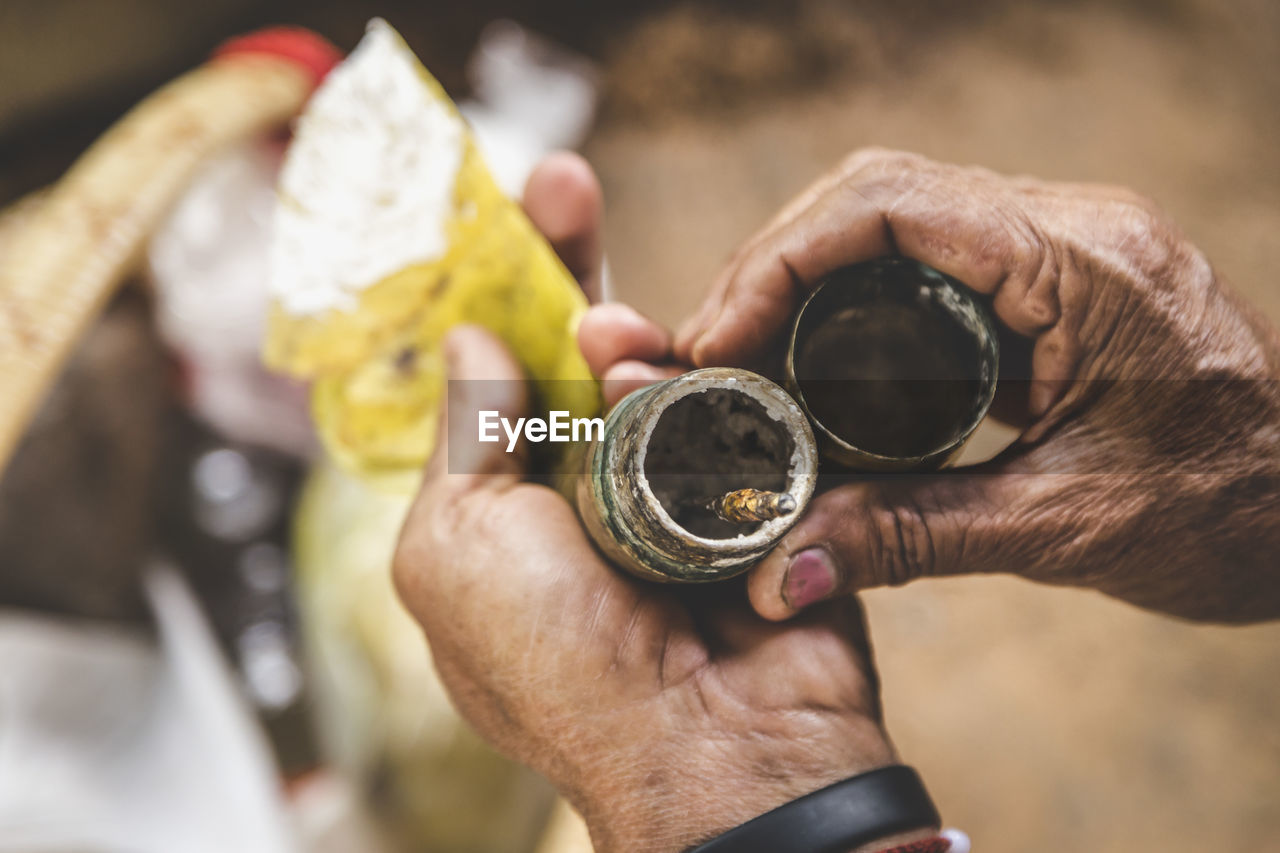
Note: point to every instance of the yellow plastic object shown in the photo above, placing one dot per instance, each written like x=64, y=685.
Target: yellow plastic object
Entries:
x=386, y=718
x=377, y=368
x=378, y=381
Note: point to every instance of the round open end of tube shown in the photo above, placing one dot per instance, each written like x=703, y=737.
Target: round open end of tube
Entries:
x=895, y=363
x=673, y=449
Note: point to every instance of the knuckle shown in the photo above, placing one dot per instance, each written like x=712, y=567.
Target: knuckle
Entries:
x=409, y=564
x=1140, y=224
x=1136, y=222
x=900, y=541
x=1036, y=262
x=860, y=158
x=1021, y=246
x=1127, y=198
x=1148, y=244
x=477, y=516
x=425, y=541
x=883, y=164
x=885, y=541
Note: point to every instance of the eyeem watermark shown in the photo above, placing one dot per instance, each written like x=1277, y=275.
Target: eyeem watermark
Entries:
x=556, y=427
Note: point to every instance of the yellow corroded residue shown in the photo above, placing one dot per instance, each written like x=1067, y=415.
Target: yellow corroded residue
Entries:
x=375, y=360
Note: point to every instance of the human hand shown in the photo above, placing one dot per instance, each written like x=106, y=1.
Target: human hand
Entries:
x=1148, y=464
x=665, y=718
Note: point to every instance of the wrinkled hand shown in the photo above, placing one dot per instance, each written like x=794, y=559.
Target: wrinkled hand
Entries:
x=665, y=716
x=664, y=719
x=1149, y=461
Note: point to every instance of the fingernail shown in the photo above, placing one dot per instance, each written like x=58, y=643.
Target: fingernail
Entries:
x=811, y=577
x=698, y=350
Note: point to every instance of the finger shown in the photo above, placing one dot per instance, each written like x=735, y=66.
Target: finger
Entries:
x=483, y=377
x=1054, y=361
x=968, y=223
x=564, y=201
x=709, y=311
x=765, y=287
x=711, y=306
x=627, y=376
x=893, y=530
x=615, y=332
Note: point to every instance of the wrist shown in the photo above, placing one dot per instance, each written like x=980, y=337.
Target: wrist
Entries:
x=678, y=797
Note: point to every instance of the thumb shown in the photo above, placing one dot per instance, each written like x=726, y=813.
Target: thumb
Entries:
x=483, y=377
x=891, y=530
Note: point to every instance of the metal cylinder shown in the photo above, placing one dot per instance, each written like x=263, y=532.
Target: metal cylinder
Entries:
x=894, y=363
x=675, y=453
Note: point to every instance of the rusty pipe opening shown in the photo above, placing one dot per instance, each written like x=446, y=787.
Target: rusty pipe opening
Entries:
x=699, y=476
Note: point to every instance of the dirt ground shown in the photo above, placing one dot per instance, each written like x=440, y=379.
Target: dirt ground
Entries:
x=1041, y=718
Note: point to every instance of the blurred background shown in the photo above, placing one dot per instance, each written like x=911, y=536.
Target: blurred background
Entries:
x=1040, y=718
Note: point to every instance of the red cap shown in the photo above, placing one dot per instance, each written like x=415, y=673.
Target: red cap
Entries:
x=312, y=51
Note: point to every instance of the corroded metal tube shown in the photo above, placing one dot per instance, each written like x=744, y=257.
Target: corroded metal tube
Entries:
x=895, y=364
x=670, y=448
